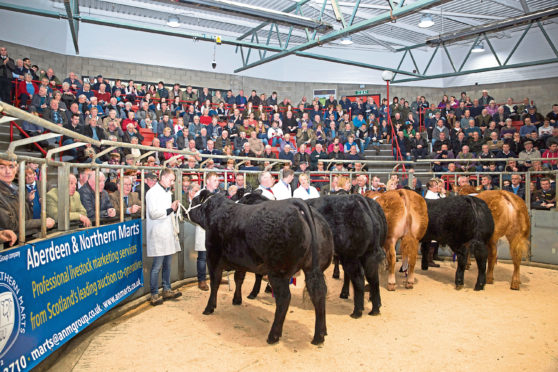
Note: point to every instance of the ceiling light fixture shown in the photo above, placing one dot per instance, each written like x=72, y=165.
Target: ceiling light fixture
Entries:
x=426, y=21
x=347, y=40
x=478, y=47
x=173, y=21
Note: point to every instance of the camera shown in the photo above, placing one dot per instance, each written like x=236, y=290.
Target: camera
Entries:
x=213, y=64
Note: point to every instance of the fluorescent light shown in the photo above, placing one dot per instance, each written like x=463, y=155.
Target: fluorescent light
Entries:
x=426, y=21
x=173, y=21
x=478, y=47
x=346, y=40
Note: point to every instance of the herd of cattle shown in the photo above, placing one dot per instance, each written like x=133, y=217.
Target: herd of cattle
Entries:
x=279, y=238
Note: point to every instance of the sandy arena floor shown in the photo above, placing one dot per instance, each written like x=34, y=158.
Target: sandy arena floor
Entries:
x=432, y=327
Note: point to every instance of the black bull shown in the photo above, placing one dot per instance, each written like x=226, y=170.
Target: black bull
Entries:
x=464, y=223
x=359, y=228
x=277, y=239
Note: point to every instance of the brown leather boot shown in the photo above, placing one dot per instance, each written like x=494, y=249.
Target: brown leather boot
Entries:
x=431, y=262
x=203, y=285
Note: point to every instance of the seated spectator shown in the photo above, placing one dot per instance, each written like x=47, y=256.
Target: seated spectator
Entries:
x=76, y=209
x=256, y=145
x=246, y=151
x=505, y=153
x=114, y=129
x=135, y=152
x=27, y=89
x=515, y=142
x=439, y=128
x=443, y=140
x=305, y=135
x=516, y=187
x=492, y=128
x=354, y=155
x=485, y=153
x=9, y=202
x=317, y=155
x=223, y=140
x=201, y=140
x=465, y=166
x=545, y=197
x=551, y=153
x=404, y=146
x=131, y=132
x=301, y=156
x=286, y=154
x=211, y=150
x=165, y=122
x=444, y=153
x=488, y=183
x=526, y=156
x=239, y=143
x=475, y=142
x=87, y=194
x=165, y=137
x=527, y=128
x=305, y=191
x=132, y=202
x=545, y=130
x=494, y=144
x=534, y=117
x=54, y=114
x=419, y=146
x=483, y=119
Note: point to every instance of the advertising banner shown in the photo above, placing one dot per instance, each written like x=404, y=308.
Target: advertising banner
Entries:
x=51, y=290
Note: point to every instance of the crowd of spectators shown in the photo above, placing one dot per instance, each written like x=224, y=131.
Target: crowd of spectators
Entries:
x=304, y=132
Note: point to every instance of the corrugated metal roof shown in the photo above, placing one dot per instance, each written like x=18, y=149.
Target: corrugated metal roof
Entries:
x=450, y=17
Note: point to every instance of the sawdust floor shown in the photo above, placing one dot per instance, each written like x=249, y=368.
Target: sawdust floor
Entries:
x=432, y=327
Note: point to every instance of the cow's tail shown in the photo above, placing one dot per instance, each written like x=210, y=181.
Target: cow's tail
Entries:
x=315, y=281
x=379, y=254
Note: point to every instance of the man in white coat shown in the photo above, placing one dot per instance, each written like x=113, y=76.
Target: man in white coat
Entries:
x=266, y=182
x=432, y=192
x=282, y=189
x=305, y=191
x=162, y=239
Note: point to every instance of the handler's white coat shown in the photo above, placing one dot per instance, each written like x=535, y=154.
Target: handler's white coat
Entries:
x=301, y=193
x=161, y=239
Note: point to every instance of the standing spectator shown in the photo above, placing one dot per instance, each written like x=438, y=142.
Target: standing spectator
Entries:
x=87, y=195
x=77, y=210
x=7, y=67
x=132, y=202
x=545, y=198
x=162, y=240
x=33, y=192
x=516, y=187
x=9, y=202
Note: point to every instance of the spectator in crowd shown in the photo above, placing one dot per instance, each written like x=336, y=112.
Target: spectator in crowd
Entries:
x=150, y=181
x=527, y=128
x=32, y=190
x=545, y=198
x=551, y=153
x=526, y=156
x=87, y=195
x=132, y=202
x=465, y=166
x=162, y=239
x=256, y=145
x=9, y=202
x=76, y=209
x=516, y=187
x=7, y=67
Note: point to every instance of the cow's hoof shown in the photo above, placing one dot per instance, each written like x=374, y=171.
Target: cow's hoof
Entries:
x=318, y=340
x=252, y=296
x=237, y=302
x=356, y=314
x=409, y=285
x=208, y=311
x=514, y=286
x=479, y=287
x=344, y=295
x=391, y=286
x=459, y=286
x=271, y=339
x=374, y=312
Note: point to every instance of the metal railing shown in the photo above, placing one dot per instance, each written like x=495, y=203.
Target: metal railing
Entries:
x=63, y=220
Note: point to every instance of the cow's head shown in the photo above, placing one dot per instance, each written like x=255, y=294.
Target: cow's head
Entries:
x=198, y=212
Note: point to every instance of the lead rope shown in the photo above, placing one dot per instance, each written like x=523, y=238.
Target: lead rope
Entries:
x=178, y=219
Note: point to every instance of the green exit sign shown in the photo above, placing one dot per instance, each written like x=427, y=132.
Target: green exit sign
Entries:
x=361, y=92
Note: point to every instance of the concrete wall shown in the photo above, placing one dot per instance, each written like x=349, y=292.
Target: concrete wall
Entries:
x=542, y=91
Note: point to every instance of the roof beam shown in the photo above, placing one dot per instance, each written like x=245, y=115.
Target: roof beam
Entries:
x=155, y=29
x=427, y=11
x=262, y=25
x=494, y=26
x=258, y=12
x=72, y=9
x=360, y=26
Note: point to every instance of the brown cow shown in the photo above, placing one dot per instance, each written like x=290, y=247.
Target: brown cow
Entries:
x=407, y=219
x=511, y=219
